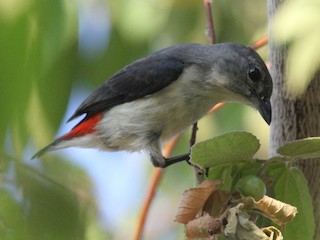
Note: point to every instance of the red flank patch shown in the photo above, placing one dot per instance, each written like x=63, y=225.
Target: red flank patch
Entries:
x=83, y=128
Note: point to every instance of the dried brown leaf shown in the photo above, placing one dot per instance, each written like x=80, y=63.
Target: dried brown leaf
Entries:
x=279, y=212
x=203, y=228
x=231, y=227
x=217, y=203
x=248, y=230
x=240, y=227
x=273, y=233
x=194, y=199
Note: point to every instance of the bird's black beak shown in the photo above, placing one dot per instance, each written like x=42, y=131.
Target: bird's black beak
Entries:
x=265, y=110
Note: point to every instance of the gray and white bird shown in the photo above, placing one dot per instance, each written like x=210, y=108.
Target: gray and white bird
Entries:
x=156, y=97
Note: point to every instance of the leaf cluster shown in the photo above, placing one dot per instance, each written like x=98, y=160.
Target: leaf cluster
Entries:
x=229, y=157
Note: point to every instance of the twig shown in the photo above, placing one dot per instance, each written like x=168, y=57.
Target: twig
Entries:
x=216, y=107
x=198, y=171
x=260, y=43
x=155, y=180
x=193, y=134
x=210, y=26
x=156, y=176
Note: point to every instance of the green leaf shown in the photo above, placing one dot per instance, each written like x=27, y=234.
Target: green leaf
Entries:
x=276, y=169
x=248, y=169
x=222, y=172
x=230, y=173
x=15, y=82
x=292, y=188
x=233, y=147
x=37, y=57
x=308, y=147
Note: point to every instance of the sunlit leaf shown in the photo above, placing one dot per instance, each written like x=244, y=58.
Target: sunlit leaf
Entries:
x=295, y=19
x=133, y=15
x=296, y=23
x=305, y=50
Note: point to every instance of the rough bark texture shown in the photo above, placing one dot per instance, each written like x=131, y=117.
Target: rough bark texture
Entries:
x=295, y=118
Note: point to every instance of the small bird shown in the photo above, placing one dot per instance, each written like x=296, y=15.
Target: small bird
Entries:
x=156, y=97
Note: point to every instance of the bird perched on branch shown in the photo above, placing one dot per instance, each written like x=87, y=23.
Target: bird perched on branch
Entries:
x=156, y=97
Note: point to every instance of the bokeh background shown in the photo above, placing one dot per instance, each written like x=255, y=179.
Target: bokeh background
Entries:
x=52, y=55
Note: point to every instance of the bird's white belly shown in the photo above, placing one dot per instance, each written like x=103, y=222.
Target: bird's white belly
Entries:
x=133, y=125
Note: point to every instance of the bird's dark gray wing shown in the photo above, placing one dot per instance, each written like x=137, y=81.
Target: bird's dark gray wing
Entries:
x=141, y=78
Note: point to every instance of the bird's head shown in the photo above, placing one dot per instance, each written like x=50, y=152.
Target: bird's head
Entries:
x=244, y=75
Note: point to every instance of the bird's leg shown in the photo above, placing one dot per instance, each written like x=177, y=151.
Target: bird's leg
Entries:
x=184, y=157
x=158, y=160
x=180, y=158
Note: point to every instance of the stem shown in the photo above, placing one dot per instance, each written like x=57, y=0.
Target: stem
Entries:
x=198, y=171
x=193, y=134
x=210, y=25
x=156, y=176
x=260, y=43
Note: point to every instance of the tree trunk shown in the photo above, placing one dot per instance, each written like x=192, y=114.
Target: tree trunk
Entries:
x=294, y=118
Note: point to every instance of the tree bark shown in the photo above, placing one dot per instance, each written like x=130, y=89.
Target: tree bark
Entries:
x=294, y=118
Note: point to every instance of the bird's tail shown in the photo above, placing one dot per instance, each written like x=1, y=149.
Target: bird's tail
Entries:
x=84, y=127
x=51, y=147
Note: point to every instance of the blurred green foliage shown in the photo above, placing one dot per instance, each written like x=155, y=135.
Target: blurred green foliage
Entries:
x=296, y=24
x=40, y=64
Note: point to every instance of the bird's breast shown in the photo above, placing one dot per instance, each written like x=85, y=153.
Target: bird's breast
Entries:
x=133, y=125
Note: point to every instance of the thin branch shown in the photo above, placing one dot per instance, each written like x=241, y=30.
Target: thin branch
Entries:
x=155, y=180
x=210, y=26
x=193, y=136
x=216, y=107
x=198, y=171
x=260, y=43
x=156, y=176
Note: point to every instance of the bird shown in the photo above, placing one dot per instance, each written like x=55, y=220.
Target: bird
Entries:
x=158, y=96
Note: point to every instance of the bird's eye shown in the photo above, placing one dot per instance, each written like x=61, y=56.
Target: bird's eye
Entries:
x=254, y=73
